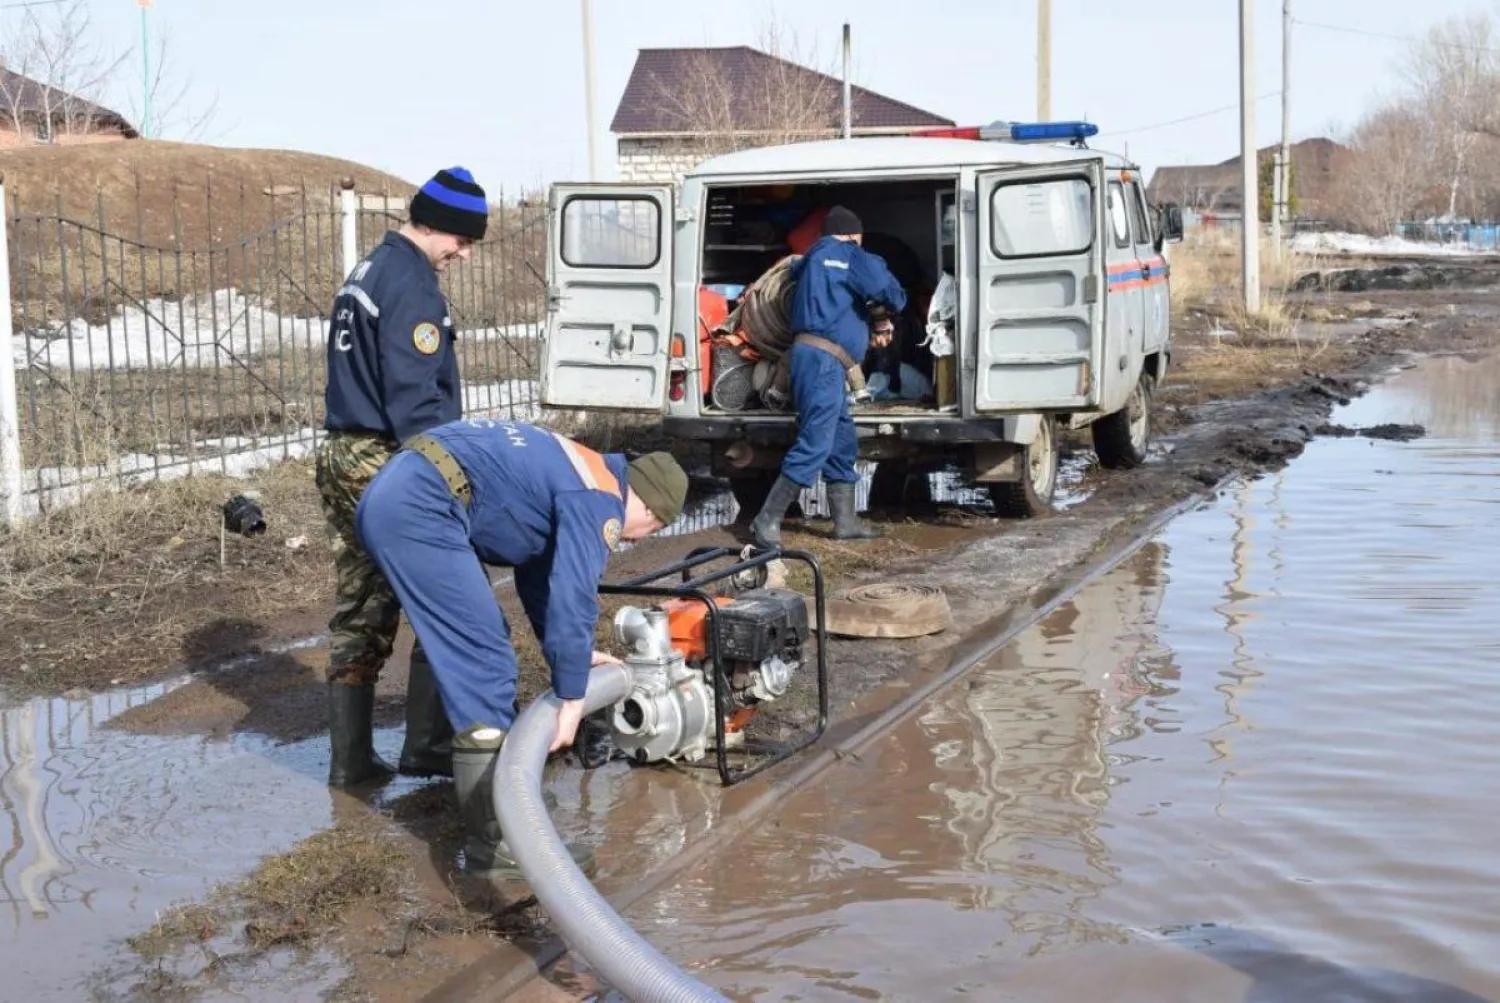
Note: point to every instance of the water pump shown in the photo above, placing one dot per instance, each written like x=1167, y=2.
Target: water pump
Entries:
x=669, y=713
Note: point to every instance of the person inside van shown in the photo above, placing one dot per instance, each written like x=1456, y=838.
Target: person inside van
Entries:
x=836, y=280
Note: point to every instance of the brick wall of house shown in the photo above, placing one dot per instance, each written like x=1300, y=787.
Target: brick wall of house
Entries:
x=12, y=140
x=654, y=160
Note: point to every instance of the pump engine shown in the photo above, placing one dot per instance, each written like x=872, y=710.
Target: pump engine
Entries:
x=670, y=648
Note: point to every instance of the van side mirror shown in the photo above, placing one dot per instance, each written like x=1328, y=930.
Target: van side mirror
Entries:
x=1169, y=224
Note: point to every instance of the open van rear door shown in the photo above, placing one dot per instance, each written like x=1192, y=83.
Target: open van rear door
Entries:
x=1041, y=286
x=609, y=297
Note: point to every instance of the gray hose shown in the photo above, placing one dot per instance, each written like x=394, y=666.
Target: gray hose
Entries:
x=617, y=952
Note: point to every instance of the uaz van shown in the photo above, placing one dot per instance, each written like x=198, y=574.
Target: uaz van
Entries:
x=1055, y=301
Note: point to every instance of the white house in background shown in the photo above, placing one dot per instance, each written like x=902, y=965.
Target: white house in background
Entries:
x=669, y=114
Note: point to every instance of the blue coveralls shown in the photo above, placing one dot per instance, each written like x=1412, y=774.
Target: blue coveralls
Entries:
x=834, y=280
x=392, y=368
x=540, y=504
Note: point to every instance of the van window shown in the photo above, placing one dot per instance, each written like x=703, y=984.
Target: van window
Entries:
x=1042, y=218
x=1138, y=215
x=611, y=232
x=1117, y=214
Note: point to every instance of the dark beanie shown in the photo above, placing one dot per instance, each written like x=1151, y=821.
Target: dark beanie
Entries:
x=451, y=203
x=660, y=483
x=840, y=222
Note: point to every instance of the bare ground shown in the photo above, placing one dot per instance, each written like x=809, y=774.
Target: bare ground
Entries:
x=1242, y=404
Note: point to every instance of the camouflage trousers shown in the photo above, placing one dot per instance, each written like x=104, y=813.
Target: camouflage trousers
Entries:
x=365, y=611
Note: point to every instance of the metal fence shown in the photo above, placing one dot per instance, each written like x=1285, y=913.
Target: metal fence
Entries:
x=1466, y=236
x=185, y=330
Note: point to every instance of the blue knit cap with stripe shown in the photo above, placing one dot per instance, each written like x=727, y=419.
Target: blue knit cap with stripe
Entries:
x=452, y=202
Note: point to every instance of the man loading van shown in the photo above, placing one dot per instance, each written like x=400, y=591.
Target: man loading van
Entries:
x=836, y=280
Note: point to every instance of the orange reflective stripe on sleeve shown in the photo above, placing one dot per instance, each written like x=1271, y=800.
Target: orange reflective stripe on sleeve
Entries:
x=590, y=467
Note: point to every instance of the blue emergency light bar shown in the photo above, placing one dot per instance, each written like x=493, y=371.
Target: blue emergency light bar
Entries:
x=1040, y=132
x=1019, y=132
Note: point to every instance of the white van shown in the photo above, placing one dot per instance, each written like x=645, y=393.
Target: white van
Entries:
x=1062, y=306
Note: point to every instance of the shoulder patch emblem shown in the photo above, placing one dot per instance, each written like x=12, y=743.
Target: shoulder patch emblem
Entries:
x=426, y=338
x=612, y=530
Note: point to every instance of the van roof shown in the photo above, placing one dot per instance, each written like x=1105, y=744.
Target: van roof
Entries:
x=889, y=152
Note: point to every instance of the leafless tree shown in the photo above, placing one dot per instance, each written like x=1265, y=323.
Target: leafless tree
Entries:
x=176, y=109
x=1454, y=76
x=782, y=99
x=55, y=74
x=1388, y=176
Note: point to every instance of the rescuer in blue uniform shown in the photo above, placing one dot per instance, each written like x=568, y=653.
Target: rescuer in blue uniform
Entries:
x=505, y=493
x=836, y=280
x=392, y=372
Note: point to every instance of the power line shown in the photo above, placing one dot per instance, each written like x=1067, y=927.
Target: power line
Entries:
x=1189, y=118
x=1410, y=39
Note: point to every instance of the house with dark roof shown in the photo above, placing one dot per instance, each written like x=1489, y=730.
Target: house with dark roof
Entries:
x=1214, y=189
x=33, y=112
x=682, y=106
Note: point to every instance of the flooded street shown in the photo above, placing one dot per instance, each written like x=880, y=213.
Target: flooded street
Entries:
x=102, y=829
x=1254, y=762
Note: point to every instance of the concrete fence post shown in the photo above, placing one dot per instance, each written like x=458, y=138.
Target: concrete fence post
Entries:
x=10, y=409
x=349, y=226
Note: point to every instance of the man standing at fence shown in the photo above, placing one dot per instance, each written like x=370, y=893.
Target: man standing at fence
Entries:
x=835, y=281
x=392, y=374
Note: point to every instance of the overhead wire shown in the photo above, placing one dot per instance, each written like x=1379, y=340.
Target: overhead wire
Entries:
x=1187, y=118
x=1298, y=22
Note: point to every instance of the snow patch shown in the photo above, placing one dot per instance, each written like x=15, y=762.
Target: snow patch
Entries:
x=1357, y=243
x=233, y=456
x=223, y=329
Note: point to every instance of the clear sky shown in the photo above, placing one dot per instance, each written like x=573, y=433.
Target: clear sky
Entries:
x=497, y=86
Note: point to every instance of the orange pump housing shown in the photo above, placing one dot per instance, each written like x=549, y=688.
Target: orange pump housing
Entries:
x=687, y=621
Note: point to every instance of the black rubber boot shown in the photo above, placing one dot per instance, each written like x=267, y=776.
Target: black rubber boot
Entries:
x=846, y=523
x=766, y=529
x=428, y=749
x=350, y=733
x=486, y=854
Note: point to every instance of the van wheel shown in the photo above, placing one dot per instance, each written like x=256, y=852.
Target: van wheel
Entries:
x=1032, y=495
x=1121, y=439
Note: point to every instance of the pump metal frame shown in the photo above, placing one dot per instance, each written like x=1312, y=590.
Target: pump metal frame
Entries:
x=693, y=582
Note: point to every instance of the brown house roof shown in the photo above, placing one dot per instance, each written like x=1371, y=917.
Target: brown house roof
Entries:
x=29, y=99
x=641, y=110
x=1315, y=167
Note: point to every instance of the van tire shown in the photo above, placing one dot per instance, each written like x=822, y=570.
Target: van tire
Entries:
x=1032, y=495
x=1122, y=439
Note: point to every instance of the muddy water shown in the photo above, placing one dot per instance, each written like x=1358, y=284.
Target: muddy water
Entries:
x=1255, y=762
x=100, y=829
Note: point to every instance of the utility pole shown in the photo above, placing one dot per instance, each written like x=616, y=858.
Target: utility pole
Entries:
x=1284, y=161
x=1250, y=217
x=1044, y=60
x=848, y=88
x=145, y=6
x=588, y=89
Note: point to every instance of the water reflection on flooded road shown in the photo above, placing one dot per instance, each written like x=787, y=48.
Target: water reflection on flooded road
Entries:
x=1255, y=762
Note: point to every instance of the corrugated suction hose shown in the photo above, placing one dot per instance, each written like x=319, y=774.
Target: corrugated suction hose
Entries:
x=625, y=960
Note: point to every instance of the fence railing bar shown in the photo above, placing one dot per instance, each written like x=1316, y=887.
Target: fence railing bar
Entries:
x=141, y=253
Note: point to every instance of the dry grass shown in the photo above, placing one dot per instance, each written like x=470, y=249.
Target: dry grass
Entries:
x=295, y=896
x=1206, y=278
x=115, y=586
